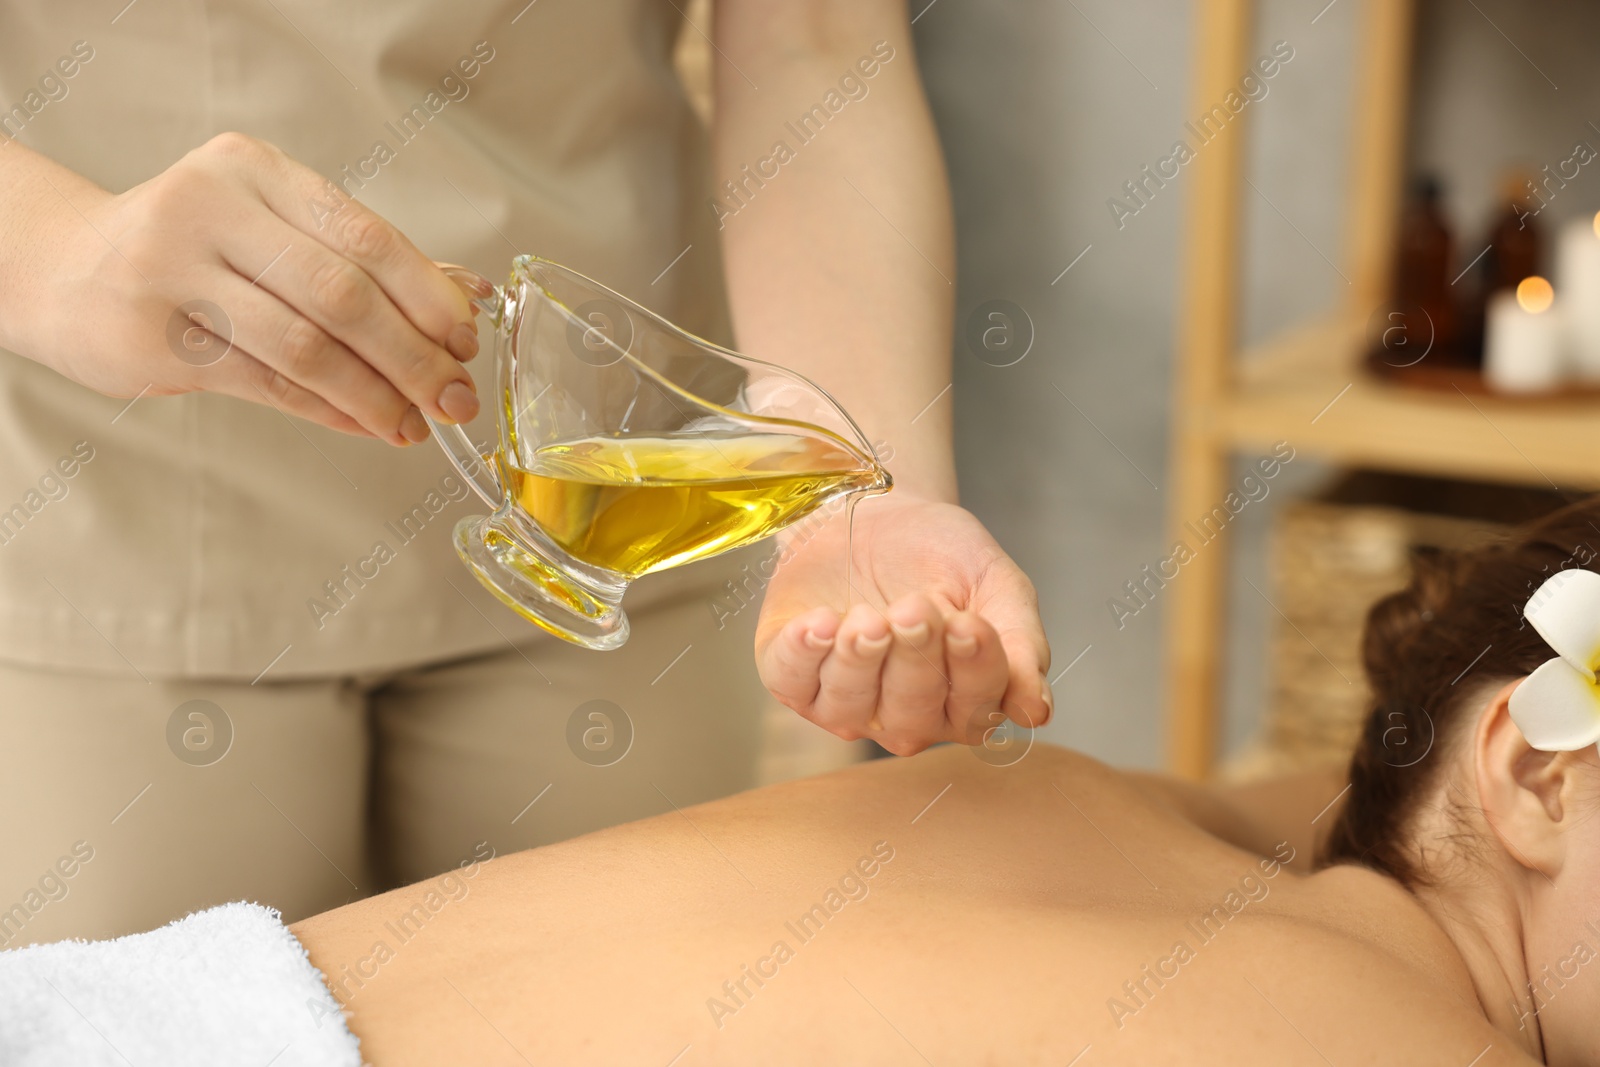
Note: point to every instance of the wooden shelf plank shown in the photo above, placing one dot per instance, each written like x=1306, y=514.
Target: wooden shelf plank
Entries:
x=1308, y=388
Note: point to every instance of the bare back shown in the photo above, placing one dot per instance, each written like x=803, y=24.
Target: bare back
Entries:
x=928, y=910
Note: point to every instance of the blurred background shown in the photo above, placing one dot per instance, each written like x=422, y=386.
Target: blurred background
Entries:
x=1046, y=111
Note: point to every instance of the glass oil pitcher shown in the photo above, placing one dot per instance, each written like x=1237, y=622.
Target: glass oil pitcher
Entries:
x=625, y=445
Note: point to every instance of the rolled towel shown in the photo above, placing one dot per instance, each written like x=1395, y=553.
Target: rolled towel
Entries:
x=229, y=985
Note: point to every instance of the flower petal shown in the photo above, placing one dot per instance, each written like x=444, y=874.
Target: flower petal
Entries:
x=1557, y=708
x=1566, y=612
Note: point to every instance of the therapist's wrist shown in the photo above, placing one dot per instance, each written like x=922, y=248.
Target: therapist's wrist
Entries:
x=925, y=486
x=913, y=437
x=926, y=471
x=834, y=516
x=39, y=230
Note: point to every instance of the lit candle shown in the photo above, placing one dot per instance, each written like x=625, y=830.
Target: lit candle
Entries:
x=1578, y=271
x=1523, y=349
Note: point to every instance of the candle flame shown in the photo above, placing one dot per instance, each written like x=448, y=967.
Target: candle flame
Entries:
x=1597, y=223
x=1535, y=294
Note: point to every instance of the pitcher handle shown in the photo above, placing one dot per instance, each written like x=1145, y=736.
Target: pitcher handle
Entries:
x=463, y=454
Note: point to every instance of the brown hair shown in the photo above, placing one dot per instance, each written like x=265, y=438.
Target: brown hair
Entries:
x=1454, y=630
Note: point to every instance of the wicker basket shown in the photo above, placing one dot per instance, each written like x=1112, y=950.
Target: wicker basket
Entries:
x=1332, y=557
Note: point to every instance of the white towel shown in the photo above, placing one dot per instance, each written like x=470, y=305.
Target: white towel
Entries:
x=229, y=985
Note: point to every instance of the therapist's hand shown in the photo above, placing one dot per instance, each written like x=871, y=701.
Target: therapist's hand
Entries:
x=943, y=640
x=327, y=311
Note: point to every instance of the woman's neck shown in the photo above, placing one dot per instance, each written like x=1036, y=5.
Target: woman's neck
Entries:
x=1482, y=920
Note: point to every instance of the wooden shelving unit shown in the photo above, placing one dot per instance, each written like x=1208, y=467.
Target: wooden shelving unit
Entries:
x=1306, y=386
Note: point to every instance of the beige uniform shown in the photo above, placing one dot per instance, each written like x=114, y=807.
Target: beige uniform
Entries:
x=198, y=549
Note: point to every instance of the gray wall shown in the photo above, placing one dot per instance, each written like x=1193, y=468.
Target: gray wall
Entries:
x=1046, y=109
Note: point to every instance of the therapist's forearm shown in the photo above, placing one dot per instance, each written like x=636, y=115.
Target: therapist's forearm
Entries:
x=840, y=261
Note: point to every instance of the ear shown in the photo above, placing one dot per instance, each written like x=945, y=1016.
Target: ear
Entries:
x=1524, y=793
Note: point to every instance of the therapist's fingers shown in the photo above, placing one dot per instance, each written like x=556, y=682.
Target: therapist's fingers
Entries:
x=241, y=375
x=322, y=211
x=791, y=664
x=1010, y=604
x=299, y=351
x=1027, y=700
x=342, y=301
x=915, y=683
x=847, y=697
x=978, y=677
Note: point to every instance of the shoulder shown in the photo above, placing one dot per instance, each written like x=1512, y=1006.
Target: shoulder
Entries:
x=1374, y=910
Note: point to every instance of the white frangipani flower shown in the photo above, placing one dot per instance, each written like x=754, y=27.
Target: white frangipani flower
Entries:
x=1557, y=707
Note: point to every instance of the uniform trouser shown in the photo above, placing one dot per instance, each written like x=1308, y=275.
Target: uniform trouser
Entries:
x=125, y=804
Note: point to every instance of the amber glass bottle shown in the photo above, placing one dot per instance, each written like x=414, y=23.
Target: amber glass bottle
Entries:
x=1422, y=274
x=1514, y=251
